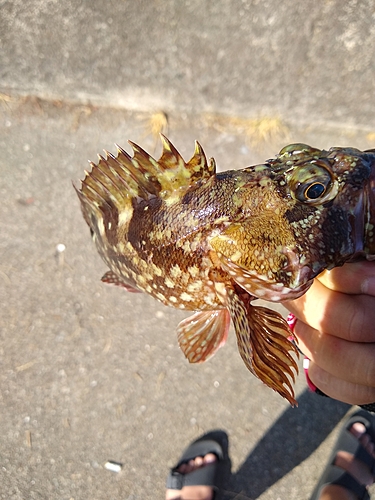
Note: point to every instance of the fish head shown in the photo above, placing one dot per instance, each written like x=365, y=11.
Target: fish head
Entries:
x=302, y=212
x=335, y=188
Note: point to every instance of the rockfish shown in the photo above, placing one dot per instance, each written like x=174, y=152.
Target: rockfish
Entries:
x=213, y=242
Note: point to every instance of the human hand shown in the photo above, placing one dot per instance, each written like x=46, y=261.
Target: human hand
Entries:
x=336, y=330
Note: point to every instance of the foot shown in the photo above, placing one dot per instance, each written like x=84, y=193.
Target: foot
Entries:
x=346, y=461
x=193, y=492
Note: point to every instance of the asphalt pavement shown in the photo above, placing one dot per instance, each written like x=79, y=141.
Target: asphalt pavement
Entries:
x=91, y=374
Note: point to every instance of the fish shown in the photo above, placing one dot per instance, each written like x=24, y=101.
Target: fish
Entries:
x=213, y=242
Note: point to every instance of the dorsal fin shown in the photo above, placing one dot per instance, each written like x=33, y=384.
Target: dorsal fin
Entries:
x=115, y=180
x=176, y=174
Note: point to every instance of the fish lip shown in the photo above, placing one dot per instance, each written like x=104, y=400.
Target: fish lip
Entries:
x=360, y=212
x=364, y=219
x=369, y=202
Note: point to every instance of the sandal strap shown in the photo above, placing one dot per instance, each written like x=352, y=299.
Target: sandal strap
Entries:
x=363, y=456
x=175, y=481
x=368, y=421
x=212, y=474
x=348, y=442
x=204, y=476
x=347, y=481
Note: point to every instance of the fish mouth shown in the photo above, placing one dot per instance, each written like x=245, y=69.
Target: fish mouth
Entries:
x=360, y=214
x=364, y=214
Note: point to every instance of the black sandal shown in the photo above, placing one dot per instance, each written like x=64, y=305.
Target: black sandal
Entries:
x=347, y=442
x=214, y=474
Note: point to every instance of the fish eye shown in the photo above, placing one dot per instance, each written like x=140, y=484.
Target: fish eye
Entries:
x=314, y=191
x=312, y=183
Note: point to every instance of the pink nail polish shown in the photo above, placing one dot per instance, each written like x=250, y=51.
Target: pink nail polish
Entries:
x=306, y=364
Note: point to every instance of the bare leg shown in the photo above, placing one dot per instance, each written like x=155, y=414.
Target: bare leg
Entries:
x=357, y=469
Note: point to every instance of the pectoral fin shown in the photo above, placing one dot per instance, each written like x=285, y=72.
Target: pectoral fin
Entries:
x=263, y=286
x=112, y=279
x=263, y=344
x=263, y=262
x=201, y=335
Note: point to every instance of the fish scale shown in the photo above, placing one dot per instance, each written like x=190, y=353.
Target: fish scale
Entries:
x=214, y=242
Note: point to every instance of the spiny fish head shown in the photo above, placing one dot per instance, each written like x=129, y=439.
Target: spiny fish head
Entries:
x=304, y=211
x=332, y=193
x=335, y=189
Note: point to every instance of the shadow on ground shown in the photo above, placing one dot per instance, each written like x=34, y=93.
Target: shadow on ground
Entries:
x=290, y=441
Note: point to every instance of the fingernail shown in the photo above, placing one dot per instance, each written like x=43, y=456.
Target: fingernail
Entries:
x=291, y=320
x=306, y=364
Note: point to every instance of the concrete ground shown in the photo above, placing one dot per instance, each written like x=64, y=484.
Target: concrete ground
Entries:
x=91, y=374
x=305, y=61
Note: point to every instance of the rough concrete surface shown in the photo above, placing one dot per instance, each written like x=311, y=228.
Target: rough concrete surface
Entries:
x=310, y=60
x=90, y=373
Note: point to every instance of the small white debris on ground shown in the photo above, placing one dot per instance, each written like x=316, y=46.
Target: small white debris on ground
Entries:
x=60, y=249
x=113, y=466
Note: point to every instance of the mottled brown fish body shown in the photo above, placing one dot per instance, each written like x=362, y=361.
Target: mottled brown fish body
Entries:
x=169, y=255
x=213, y=242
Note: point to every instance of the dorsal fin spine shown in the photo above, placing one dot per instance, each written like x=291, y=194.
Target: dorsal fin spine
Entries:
x=123, y=177
x=116, y=169
x=105, y=181
x=169, y=148
x=170, y=158
x=148, y=167
x=99, y=185
x=109, y=174
x=93, y=200
x=212, y=165
x=136, y=169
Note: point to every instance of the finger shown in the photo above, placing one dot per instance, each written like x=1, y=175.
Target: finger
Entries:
x=352, y=278
x=350, y=361
x=340, y=389
x=350, y=317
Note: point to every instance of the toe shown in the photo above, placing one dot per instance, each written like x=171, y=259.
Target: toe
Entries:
x=355, y=467
x=358, y=430
x=209, y=458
